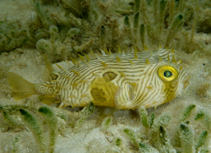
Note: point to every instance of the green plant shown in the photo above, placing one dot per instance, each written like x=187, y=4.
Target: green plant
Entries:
x=33, y=119
x=159, y=138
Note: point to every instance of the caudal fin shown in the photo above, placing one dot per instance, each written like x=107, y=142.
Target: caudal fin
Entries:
x=21, y=88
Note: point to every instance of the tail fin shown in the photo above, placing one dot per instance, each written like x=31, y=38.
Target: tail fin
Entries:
x=21, y=88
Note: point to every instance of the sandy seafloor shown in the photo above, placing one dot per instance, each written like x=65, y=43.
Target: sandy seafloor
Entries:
x=29, y=63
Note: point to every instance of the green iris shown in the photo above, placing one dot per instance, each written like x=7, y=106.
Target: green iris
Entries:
x=167, y=74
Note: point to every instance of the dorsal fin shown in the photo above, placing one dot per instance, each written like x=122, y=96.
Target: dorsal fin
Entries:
x=147, y=61
x=122, y=74
x=103, y=52
x=132, y=49
x=104, y=64
x=110, y=53
x=61, y=68
x=135, y=53
x=75, y=62
x=131, y=62
x=82, y=58
x=118, y=59
x=98, y=56
x=172, y=51
x=145, y=47
x=67, y=77
x=87, y=57
x=168, y=58
x=75, y=72
x=106, y=51
x=123, y=53
x=92, y=54
x=119, y=49
x=174, y=60
x=48, y=69
x=68, y=63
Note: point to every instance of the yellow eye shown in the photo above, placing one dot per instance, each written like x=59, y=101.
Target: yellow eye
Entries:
x=167, y=73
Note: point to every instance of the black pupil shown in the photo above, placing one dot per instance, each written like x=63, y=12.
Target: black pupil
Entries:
x=167, y=73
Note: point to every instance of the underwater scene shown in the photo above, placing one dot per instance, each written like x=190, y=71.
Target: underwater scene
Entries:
x=105, y=76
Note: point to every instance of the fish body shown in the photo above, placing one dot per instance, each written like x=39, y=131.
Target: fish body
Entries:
x=121, y=80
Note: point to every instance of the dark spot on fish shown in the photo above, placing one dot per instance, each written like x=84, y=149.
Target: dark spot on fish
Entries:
x=109, y=76
x=98, y=94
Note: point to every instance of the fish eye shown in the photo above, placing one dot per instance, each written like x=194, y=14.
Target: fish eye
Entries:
x=167, y=73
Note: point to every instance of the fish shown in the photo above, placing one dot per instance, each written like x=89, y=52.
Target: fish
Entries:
x=123, y=80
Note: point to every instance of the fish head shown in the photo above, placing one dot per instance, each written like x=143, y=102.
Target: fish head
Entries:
x=174, y=81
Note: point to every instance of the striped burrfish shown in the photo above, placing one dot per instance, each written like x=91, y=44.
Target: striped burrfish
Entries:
x=124, y=80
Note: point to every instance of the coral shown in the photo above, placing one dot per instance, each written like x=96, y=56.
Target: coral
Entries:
x=204, y=21
x=12, y=35
x=64, y=29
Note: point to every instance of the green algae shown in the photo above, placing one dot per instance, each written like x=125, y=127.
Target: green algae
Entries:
x=187, y=138
x=187, y=112
x=159, y=138
x=143, y=116
x=100, y=25
x=201, y=140
x=132, y=137
x=118, y=142
x=32, y=123
x=52, y=125
x=34, y=120
x=199, y=115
